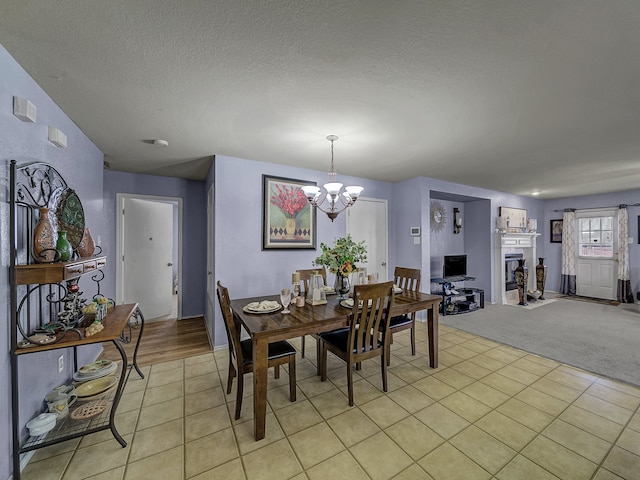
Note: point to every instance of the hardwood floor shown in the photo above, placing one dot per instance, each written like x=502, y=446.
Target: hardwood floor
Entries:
x=165, y=341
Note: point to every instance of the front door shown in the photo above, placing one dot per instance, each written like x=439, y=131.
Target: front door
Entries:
x=597, y=238
x=367, y=220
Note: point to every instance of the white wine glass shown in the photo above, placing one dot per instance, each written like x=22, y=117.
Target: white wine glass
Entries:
x=285, y=298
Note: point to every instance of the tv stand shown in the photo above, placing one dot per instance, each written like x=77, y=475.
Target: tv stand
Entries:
x=458, y=300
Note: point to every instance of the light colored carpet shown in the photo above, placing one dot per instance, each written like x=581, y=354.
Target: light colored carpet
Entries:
x=603, y=339
x=538, y=303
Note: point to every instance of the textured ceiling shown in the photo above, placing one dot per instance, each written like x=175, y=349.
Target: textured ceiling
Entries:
x=513, y=95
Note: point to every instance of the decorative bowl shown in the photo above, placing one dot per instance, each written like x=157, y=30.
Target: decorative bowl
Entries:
x=94, y=387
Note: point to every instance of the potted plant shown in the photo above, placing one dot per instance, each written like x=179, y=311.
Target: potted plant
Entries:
x=342, y=259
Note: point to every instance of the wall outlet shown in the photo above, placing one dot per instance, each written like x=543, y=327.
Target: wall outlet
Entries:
x=60, y=363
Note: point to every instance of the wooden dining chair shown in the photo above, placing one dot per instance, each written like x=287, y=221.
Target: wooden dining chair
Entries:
x=362, y=340
x=305, y=278
x=241, y=353
x=408, y=279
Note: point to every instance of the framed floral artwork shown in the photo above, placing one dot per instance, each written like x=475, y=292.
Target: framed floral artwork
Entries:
x=288, y=220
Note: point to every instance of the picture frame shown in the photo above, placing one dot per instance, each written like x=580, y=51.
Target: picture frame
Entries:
x=555, y=231
x=516, y=219
x=288, y=219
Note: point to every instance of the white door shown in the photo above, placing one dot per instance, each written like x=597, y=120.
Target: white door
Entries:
x=597, y=239
x=211, y=288
x=147, y=252
x=367, y=220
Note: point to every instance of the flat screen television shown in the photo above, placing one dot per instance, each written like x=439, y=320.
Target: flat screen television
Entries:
x=455, y=265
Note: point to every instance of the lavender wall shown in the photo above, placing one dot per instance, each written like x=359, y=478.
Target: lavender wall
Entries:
x=194, y=236
x=241, y=264
x=405, y=212
x=81, y=166
x=553, y=251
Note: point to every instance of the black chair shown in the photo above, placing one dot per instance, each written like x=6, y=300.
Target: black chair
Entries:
x=362, y=340
x=241, y=353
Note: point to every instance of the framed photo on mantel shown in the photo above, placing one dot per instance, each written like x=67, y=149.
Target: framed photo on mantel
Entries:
x=516, y=219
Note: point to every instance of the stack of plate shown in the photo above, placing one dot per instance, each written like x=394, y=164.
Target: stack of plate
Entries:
x=97, y=369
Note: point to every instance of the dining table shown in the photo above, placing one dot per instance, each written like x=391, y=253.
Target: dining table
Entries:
x=265, y=328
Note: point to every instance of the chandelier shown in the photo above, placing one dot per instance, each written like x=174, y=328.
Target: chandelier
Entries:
x=332, y=201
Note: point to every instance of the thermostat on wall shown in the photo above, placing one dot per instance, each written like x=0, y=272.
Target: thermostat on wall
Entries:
x=415, y=231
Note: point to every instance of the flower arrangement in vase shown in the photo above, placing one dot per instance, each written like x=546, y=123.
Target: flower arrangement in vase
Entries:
x=342, y=259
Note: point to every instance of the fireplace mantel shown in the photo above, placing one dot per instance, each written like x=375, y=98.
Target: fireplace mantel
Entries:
x=524, y=243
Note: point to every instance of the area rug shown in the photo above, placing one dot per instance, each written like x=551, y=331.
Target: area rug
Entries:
x=538, y=303
x=601, y=301
x=594, y=337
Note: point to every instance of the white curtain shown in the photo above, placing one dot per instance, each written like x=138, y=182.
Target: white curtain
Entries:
x=624, y=293
x=569, y=259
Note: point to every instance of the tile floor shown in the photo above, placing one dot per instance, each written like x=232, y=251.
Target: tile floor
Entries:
x=489, y=411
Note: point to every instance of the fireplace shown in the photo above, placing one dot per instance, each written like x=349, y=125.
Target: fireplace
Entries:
x=510, y=264
x=510, y=247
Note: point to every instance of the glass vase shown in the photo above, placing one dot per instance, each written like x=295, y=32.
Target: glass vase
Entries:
x=341, y=286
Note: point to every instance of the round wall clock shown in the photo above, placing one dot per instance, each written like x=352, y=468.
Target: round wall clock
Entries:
x=437, y=216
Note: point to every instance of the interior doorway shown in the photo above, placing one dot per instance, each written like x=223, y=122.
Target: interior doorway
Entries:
x=148, y=253
x=367, y=220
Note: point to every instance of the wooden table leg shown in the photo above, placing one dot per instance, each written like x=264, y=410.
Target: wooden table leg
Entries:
x=260, y=372
x=432, y=330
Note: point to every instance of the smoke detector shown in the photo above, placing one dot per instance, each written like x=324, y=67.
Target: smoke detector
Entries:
x=160, y=143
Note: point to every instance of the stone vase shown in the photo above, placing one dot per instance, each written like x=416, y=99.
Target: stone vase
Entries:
x=541, y=276
x=44, y=239
x=522, y=277
x=87, y=246
x=341, y=286
x=63, y=247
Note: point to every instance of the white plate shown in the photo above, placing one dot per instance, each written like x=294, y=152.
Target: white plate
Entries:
x=251, y=310
x=95, y=367
x=265, y=306
x=348, y=303
x=79, y=377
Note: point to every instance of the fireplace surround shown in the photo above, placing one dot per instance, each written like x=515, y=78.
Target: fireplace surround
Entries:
x=506, y=245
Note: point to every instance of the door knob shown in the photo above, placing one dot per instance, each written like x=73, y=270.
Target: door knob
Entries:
x=384, y=264
x=169, y=264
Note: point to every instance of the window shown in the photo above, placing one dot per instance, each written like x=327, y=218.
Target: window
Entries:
x=595, y=236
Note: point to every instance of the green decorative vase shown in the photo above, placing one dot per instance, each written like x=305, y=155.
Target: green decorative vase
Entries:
x=63, y=247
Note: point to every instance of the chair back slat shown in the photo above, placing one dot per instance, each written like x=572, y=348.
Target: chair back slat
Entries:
x=232, y=325
x=407, y=279
x=367, y=322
